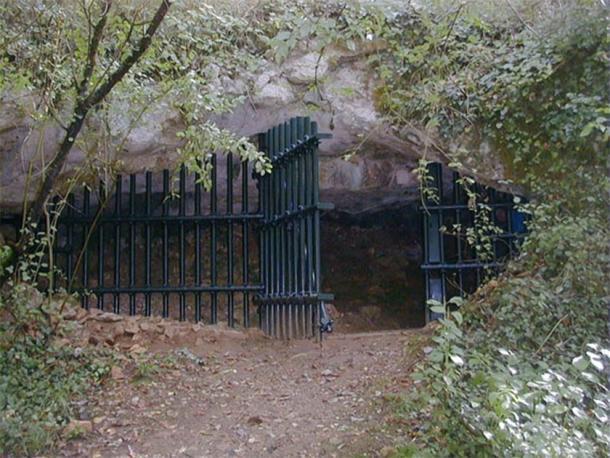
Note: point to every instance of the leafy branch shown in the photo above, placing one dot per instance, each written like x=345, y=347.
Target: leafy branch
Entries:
x=87, y=100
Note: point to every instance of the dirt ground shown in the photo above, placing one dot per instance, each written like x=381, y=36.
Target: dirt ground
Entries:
x=242, y=394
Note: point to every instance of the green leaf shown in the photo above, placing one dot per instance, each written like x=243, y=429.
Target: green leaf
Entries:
x=580, y=363
x=586, y=131
x=457, y=360
x=283, y=35
x=456, y=300
x=438, y=309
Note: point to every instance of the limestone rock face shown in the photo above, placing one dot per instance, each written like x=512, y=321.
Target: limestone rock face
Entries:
x=336, y=90
x=307, y=68
x=272, y=90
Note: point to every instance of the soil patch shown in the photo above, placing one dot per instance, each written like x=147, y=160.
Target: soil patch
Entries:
x=217, y=392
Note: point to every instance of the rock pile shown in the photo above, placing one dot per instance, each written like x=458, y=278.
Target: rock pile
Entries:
x=136, y=334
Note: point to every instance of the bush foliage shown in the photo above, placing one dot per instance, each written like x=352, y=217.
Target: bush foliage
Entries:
x=519, y=370
x=41, y=374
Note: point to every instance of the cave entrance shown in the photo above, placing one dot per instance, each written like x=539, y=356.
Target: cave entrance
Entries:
x=372, y=264
x=383, y=265
x=144, y=253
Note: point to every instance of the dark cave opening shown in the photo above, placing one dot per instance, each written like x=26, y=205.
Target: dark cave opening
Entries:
x=371, y=263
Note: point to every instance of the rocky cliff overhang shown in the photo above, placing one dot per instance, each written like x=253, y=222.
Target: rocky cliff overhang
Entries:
x=336, y=89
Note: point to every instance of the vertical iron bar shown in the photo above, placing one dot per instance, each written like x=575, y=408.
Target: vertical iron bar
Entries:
x=197, y=250
x=444, y=286
x=294, y=161
x=100, y=247
x=230, y=256
x=116, y=300
x=148, y=251
x=438, y=184
x=300, y=128
x=288, y=225
x=245, y=246
x=509, y=227
x=263, y=237
x=310, y=226
x=70, y=241
x=54, y=263
x=316, y=201
x=459, y=249
x=85, y=247
x=182, y=247
x=316, y=225
x=272, y=234
x=268, y=237
x=424, y=232
x=284, y=134
x=182, y=242
x=165, y=270
x=276, y=229
x=457, y=199
x=426, y=236
x=213, y=270
x=427, y=287
x=132, y=243
x=275, y=195
x=281, y=228
x=491, y=195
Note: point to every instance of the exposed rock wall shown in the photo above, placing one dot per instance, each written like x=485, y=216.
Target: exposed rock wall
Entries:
x=337, y=90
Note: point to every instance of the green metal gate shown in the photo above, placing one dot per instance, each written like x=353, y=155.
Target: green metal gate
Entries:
x=451, y=266
x=291, y=304
x=130, y=247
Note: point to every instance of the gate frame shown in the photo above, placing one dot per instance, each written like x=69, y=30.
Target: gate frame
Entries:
x=292, y=304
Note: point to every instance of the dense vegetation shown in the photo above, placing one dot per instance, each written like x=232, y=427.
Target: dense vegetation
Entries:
x=518, y=370
x=41, y=372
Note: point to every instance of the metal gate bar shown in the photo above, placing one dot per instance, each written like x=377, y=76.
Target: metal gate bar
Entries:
x=159, y=231
x=451, y=267
x=292, y=304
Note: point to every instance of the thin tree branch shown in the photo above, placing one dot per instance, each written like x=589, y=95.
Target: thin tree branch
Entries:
x=119, y=52
x=527, y=26
x=455, y=17
x=135, y=55
x=94, y=45
x=87, y=13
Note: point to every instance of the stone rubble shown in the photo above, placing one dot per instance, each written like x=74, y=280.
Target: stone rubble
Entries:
x=136, y=334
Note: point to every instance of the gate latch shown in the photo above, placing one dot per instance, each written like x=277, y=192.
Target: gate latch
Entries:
x=326, y=323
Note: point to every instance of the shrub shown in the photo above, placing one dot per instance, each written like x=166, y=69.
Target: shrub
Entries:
x=519, y=370
x=41, y=372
